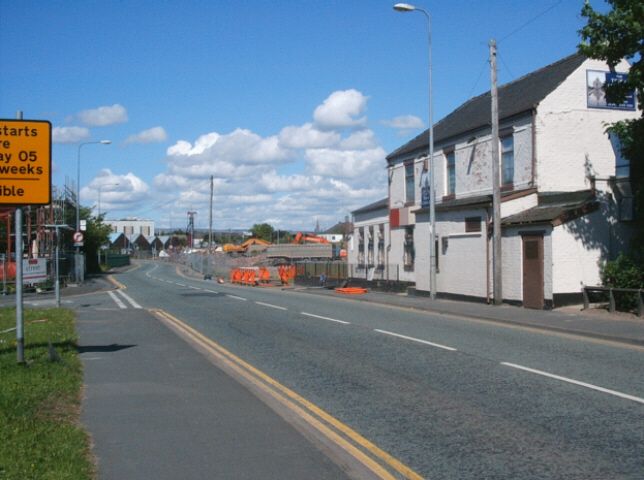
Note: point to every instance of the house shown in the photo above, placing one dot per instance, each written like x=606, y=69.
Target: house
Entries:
x=338, y=232
x=132, y=226
x=565, y=197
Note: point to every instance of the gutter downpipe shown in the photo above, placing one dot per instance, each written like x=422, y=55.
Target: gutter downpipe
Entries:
x=487, y=255
x=534, y=145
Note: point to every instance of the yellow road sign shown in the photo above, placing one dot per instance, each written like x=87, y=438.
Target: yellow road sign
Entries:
x=25, y=162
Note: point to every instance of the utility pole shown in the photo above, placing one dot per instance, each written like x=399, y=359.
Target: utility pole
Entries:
x=496, y=187
x=212, y=188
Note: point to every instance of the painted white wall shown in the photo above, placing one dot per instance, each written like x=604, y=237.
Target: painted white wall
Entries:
x=517, y=205
x=571, y=138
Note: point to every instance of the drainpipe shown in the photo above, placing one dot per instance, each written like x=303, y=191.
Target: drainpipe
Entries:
x=487, y=256
x=534, y=146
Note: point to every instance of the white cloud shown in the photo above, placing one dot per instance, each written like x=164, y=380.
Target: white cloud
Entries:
x=69, y=134
x=345, y=163
x=404, y=122
x=118, y=192
x=151, y=135
x=340, y=110
x=103, y=116
x=319, y=169
x=307, y=136
x=240, y=147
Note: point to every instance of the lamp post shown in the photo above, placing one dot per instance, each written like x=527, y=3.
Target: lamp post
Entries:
x=100, y=187
x=405, y=7
x=77, y=261
x=100, y=142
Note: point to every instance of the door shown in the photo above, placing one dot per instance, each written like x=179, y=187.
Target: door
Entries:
x=533, y=271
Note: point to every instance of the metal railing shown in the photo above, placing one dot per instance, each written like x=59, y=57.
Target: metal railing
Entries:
x=608, y=294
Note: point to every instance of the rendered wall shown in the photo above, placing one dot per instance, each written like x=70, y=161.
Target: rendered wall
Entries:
x=571, y=138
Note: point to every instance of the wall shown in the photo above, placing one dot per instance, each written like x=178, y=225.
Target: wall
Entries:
x=571, y=138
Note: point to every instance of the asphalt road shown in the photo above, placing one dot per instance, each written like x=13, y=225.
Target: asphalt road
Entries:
x=451, y=397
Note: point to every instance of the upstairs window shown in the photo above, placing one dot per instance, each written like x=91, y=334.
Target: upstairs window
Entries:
x=472, y=224
x=381, y=244
x=410, y=196
x=450, y=161
x=507, y=159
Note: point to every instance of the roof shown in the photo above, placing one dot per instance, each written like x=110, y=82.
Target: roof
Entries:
x=556, y=208
x=384, y=203
x=516, y=97
x=339, y=228
x=114, y=236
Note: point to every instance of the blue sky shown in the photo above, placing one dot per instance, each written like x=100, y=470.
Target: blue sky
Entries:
x=291, y=105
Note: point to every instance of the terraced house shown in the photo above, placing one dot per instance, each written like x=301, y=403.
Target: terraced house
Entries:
x=566, y=201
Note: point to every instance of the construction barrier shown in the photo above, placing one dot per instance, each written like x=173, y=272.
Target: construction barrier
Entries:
x=261, y=276
x=351, y=290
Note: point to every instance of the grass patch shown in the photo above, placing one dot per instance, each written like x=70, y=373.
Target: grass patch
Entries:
x=40, y=433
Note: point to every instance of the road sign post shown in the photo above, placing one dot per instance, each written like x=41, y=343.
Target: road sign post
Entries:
x=25, y=179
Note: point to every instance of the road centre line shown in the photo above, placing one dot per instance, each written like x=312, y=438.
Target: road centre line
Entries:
x=325, y=318
x=319, y=419
x=117, y=300
x=181, y=284
x=576, y=382
x=129, y=299
x=270, y=305
x=194, y=288
x=418, y=340
x=209, y=291
x=236, y=297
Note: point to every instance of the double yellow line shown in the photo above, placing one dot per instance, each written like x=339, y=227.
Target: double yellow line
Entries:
x=373, y=458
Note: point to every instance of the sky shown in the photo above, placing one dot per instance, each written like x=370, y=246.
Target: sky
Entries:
x=291, y=106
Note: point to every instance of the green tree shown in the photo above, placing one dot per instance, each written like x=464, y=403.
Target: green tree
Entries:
x=611, y=37
x=96, y=235
x=263, y=231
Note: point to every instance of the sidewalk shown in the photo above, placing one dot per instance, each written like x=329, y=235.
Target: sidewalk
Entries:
x=593, y=323
x=157, y=408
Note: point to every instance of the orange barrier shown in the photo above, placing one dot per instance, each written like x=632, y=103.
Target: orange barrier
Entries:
x=351, y=290
x=286, y=273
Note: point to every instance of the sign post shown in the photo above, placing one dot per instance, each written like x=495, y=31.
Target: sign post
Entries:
x=25, y=179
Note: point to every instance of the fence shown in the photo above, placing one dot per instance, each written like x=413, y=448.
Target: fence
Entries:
x=626, y=298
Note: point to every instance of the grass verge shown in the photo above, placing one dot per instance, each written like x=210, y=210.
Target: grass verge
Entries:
x=40, y=433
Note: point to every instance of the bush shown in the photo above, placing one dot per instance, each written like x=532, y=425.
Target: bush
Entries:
x=626, y=271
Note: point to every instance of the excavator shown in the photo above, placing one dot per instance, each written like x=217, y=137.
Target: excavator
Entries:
x=306, y=238
x=229, y=247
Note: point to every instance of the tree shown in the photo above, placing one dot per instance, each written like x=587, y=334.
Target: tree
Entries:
x=96, y=235
x=263, y=231
x=612, y=37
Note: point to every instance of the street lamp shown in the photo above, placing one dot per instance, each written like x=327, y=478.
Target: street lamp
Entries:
x=99, y=194
x=100, y=142
x=77, y=262
x=405, y=7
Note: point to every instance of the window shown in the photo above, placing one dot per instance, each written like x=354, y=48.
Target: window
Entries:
x=507, y=159
x=381, y=245
x=450, y=161
x=622, y=165
x=472, y=224
x=408, y=253
x=410, y=186
x=361, y=246
x=370, y=251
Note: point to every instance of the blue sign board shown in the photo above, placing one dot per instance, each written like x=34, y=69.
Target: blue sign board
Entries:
x=596, y=94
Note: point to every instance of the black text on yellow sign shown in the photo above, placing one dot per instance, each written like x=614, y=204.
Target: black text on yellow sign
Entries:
x=25, y=162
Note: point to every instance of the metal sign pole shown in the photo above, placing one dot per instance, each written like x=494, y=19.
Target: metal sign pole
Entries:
x=20, y=335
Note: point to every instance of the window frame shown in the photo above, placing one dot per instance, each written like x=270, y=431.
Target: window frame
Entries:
x=410, y=183
x=505, y=153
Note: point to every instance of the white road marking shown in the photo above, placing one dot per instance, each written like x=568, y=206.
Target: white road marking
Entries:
x=270, y=305
x=576, y=382
x=194, y=288
x=236, y=297
x=418, y=340
x=180, y=284
x=117, y=300
x=325, y=318
x=209, y=291
x=129, y=299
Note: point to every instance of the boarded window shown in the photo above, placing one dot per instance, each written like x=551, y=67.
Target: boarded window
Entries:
x=472, y=224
